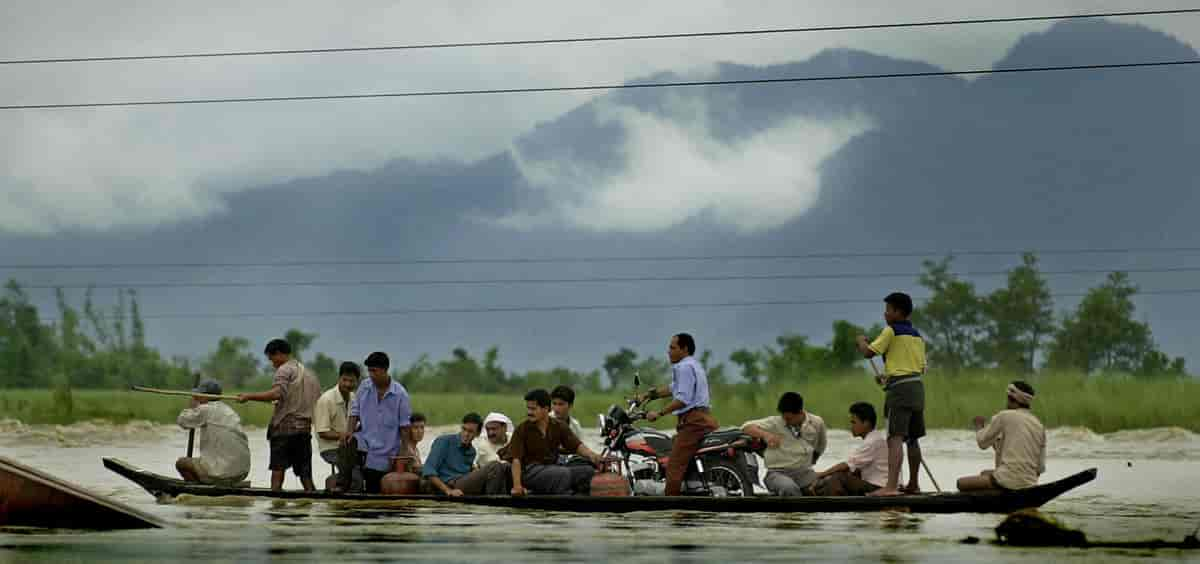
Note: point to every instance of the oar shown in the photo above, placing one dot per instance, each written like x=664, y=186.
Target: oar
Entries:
x=879, y=378
x=192, y=432
x=181, y=393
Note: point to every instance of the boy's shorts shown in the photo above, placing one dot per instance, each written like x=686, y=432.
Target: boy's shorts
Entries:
x=904, y=408
x=292, y=451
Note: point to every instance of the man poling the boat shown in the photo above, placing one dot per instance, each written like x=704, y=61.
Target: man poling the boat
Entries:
x=224, y=457
x=294, y=390
x=903, y=351
x=689, y=402
x=1019, y=440
x=795, y=440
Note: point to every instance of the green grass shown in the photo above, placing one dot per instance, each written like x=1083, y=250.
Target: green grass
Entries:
x=1099, y=403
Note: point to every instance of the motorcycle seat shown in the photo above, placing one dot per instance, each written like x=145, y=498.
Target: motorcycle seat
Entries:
x=721, y=436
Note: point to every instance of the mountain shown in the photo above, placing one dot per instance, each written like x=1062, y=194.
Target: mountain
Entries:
x=1087, y=159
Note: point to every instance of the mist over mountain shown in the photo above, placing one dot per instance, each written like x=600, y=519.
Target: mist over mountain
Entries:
x=1077, y=159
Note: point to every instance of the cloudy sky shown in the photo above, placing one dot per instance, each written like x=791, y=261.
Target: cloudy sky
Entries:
x=204, y=182
x=96, y=169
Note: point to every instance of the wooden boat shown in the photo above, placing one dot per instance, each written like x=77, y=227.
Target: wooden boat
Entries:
x=32, y=498
x=973, y=502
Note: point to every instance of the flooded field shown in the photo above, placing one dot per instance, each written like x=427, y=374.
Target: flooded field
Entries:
x=1147, y=488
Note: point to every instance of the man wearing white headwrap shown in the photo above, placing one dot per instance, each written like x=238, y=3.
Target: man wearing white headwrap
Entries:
x=497, y=427
x=1020, y=442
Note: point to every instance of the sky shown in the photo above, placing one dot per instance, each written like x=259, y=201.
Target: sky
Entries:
x=99, y=169
x=107, y=184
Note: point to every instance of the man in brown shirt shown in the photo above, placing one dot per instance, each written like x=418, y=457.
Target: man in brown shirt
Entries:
x=534, y=449
x=295, y=392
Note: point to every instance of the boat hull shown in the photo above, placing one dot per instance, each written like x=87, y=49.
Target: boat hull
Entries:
x=974, y=502
x=31, y=498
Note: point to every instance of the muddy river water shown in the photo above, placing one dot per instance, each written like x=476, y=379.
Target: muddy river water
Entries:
x=1148, y=487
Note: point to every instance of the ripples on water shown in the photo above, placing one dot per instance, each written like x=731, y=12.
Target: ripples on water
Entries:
x=1146, y=489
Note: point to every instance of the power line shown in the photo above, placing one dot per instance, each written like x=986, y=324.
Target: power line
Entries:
x=592, y=39
x=561, y=308
x=590, y=280
x=603, y=259
x=594, y=87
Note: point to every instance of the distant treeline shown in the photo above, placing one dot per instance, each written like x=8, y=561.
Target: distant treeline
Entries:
x=1013, y=329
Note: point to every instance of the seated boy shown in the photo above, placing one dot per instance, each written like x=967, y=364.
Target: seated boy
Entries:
x=866, y=470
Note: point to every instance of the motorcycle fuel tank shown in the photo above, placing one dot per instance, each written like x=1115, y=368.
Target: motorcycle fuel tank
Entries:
x=649, y=442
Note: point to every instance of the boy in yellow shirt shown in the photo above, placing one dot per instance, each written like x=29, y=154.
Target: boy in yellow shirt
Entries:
x=903, y=352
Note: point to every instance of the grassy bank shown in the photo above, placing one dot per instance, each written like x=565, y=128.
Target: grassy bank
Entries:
x=1100, y=404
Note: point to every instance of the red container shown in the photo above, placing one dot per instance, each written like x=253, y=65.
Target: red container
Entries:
x=607, y=482
x=400, y=481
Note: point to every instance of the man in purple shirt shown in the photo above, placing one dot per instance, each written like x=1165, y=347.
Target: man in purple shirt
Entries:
x=381, y=405
x=689, y=402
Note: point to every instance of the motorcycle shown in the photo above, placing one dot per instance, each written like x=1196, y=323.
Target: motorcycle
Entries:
x=724, y=465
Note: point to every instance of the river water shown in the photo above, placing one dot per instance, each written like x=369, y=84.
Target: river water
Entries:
x=1147, y=488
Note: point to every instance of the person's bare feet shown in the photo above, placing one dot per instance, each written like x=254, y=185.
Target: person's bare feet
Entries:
x=885, y=492
x=911, y=489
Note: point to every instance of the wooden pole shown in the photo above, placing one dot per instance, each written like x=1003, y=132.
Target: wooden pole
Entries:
x=879, y=378
x=181, y=393
x=192, y=432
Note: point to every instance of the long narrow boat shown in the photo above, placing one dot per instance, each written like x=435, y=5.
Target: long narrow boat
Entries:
x=975, y=502
x=32, y=498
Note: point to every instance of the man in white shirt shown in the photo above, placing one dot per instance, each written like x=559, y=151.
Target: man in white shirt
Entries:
x=562, y=399
x=331, y=413
x=224, y=457
x=866, y=469
x=795, y=440
x=1020, y=442
x=497, y=426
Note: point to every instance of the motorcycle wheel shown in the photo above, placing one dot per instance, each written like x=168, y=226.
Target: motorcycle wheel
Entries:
x=728, y=476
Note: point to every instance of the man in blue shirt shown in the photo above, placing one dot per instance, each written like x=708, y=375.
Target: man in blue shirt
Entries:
x=379, y=414
x=690, y=403
x=450, y=465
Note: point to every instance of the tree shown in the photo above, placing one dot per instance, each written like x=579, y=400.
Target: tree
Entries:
x=1019, y=316
x=1101, y=334
x=27, y=347
x=300, y=342
x=619, y=367
x=843, y=347
x=325, y=368
x=952, y=318
x=232, y=362
x=751, y=364
x=716, y=372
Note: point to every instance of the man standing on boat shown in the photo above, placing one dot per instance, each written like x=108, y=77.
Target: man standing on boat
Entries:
x=295, y=392
x=379, y=415
x=1020, y=442
x=332, y=412
x=903, y=351
x=689, y=402
x=795, y=440
x=224, y=452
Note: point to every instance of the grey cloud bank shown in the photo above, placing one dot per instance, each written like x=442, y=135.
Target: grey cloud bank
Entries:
x=1074, y=159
